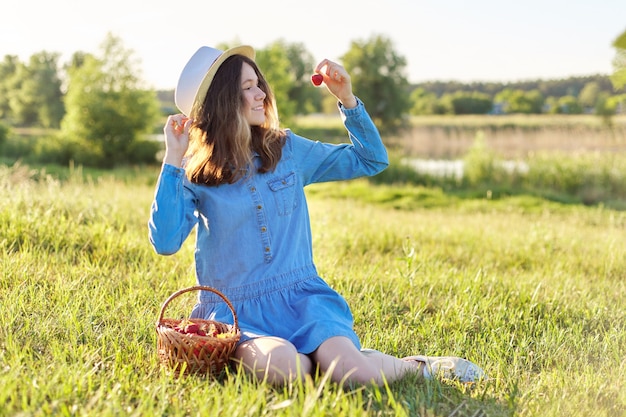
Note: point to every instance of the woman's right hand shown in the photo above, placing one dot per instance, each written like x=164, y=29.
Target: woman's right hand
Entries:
x=176, y=132
x=337, y=82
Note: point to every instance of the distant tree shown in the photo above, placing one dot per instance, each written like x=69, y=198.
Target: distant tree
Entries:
x=423, y=102
x=520, y=101
x=617, y=103
x=440, y=88
x=301, y=63
x=273, y=61
x=444, y=105
x=108, y=111
x=567, y=86
x=552, y=105
x=618, y=78
x=31, y=93
x=378, y=77
x=469, y=103
x=589, y=95
x=552, y=87
x=569, y=105
x=8, y=84
x=76, y=61
x=44, y=88
x=604, y=108
x=22, y=104
x=533, y=102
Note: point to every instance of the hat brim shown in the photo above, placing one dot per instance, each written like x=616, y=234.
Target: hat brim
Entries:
x=244, y=50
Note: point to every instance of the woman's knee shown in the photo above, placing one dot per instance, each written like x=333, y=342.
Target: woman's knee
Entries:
x=272, y=359
x=347, y=365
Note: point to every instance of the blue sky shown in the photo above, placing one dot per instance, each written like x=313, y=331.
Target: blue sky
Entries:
x=480, y=40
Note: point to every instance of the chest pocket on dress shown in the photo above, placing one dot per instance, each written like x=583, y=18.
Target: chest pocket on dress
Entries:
x=284, y=192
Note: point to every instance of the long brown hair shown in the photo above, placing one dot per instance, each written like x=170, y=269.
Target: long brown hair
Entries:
x=221, y=141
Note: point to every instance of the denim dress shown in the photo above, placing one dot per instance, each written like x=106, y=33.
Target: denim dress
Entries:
x=253, y=237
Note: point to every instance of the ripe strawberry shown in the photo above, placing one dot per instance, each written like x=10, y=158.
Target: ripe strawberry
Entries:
x=317, y=79
x=192, y=328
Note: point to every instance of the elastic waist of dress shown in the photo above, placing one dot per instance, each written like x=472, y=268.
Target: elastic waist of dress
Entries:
x=261, y=287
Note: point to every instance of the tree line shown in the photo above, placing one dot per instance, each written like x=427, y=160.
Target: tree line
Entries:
x=101, y=109
x=573, y=95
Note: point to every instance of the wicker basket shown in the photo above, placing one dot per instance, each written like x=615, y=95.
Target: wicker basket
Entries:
x=192, y=353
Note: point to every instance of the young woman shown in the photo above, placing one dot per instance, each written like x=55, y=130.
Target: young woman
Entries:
x=230, y=172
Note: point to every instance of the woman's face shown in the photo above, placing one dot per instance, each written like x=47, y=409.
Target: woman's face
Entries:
x=253, y=96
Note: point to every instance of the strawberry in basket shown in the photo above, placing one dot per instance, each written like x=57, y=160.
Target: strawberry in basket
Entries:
x=187, y=327
x=198, y=345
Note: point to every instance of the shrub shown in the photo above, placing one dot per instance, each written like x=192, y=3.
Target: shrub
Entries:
x=144, y=151
x=4, y=133
x=481, y=165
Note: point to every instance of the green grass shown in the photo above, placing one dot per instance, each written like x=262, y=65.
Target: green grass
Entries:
x=531, y=290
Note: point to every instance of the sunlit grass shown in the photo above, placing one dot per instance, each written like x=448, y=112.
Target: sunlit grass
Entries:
x=531, y=290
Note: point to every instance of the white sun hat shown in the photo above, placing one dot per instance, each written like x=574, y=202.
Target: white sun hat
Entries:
x=196, y=77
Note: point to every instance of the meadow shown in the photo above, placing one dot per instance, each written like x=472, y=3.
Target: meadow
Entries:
x=510, y=136
x=530, y=288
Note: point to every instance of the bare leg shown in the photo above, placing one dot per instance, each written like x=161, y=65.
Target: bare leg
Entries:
x=350, y=365
x=273, y=359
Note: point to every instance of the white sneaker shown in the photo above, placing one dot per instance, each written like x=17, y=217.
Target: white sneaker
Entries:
x=449, y=367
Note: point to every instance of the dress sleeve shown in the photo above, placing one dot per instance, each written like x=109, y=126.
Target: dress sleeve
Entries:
x=173, y=211
x=365, y=155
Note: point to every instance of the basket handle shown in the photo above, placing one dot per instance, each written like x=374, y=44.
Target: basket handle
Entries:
x=197, y=288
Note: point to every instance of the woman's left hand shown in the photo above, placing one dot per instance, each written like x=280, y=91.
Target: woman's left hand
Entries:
x=337, y=82
x=176, y=132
